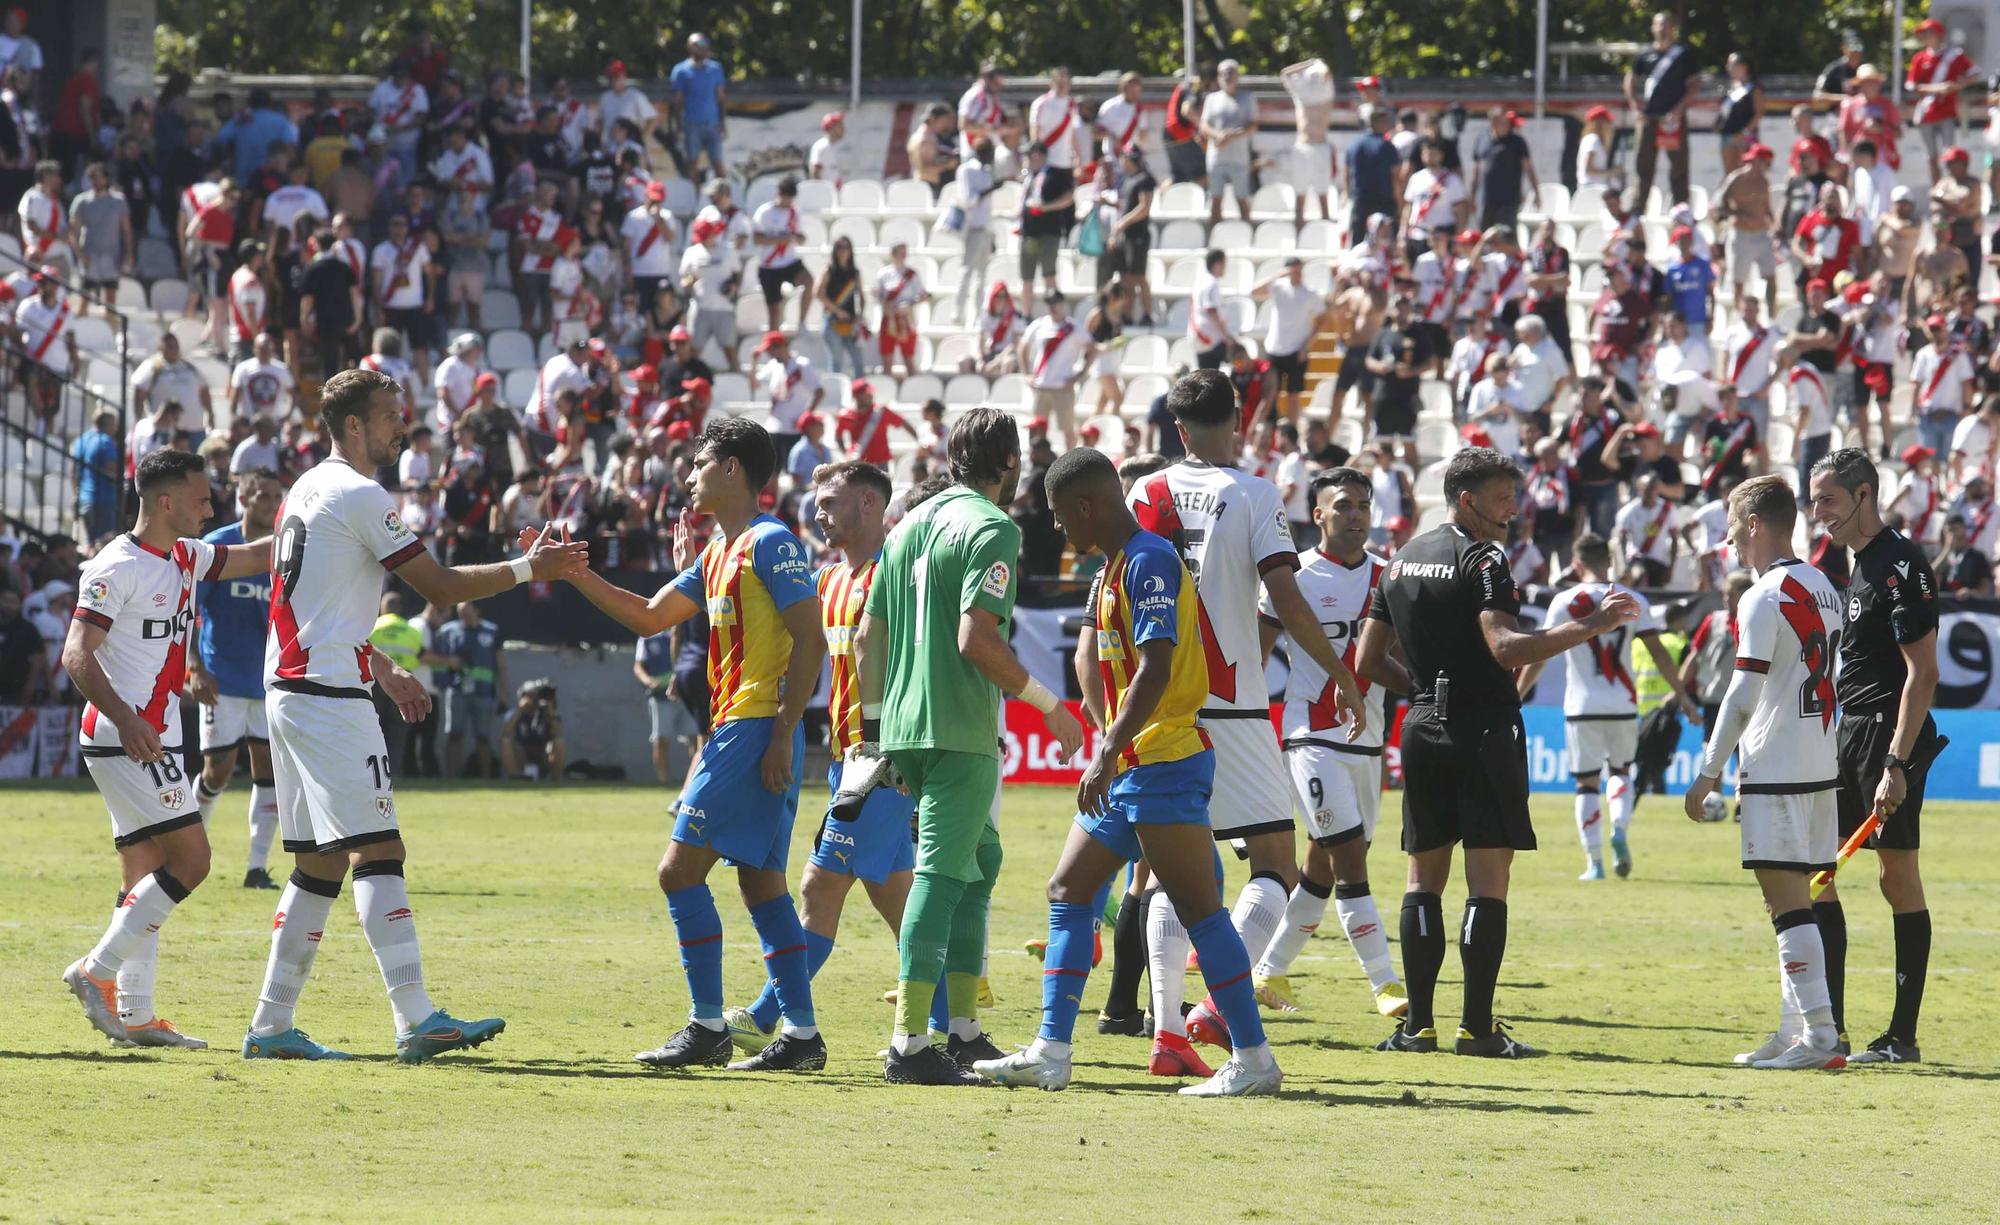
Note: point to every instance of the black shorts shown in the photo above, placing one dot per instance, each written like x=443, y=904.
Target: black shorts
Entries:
x=1465, y=780
x=1657, y=573
x=1395, y=418
x=1288, y=371
x=1186, y=163
x=774, y=280
x=1131, y=254
x=1436, y=336
x=1212, y=359
x=1864, y=741
x=413, y=322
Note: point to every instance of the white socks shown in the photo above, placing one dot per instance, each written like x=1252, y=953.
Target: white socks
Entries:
x=1363, y=925
x=1304, y=911
x=263, y=823
x=910, y=1044
x=1044, y=1048
x=1590, y=824
x=384, y=906
x=295, y=937
x=205, y=799
x=146, y=908
x=135, y=982
x=1166, y=964
x=1802, y=968
x=1621, y=797
x=965, y=1029
x=1259, y=911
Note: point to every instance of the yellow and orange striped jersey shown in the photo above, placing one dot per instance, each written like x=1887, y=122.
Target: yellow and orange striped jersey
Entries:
x=745, y=584
x=1146, y=594
x=843, y=591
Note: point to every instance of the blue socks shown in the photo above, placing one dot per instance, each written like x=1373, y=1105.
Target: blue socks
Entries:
x=764, y=1009
x=1225, y=967
x=785, y=962
x=699, y=929
x=1067, y=965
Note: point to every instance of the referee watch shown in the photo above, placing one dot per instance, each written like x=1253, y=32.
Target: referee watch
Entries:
x=1892, y=762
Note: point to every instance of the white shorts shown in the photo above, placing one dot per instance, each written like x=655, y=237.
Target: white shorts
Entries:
x=1791, y=831
x=1340, y=794
x=332, y=772
x=1601, y=744
x=1250, y=796
x=231, y=721
x=143, y=799
x=1312, y=169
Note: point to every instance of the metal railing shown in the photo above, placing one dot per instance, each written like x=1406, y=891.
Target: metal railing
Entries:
x=40, y=476
x=76, y=291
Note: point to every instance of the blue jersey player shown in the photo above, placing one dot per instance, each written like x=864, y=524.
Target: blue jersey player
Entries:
x=875, y=845
x=765, y=646
x=227, y=676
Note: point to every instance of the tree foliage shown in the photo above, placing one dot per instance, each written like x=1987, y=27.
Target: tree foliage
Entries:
x=807, y=40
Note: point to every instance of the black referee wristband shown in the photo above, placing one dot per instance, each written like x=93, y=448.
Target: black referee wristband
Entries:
x=1892, y=762
x=871, y=730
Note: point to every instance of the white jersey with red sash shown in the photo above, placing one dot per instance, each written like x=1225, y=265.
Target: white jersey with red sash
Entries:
x=143, y=600
x=1055, y=130
x=249, y=305
x=1338, y=595
x=42, y=327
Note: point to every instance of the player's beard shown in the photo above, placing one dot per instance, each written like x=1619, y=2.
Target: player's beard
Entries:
x=1010, y=484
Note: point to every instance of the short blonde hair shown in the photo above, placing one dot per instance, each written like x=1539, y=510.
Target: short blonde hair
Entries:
x=1770, y=498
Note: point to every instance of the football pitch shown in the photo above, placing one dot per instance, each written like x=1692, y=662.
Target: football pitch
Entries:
x=539, y=905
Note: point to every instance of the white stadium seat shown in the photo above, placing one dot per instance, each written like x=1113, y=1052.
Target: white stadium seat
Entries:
x=856, y=229
x=965, y=391
x=1183, y=235
x=861, y=196
x=1180, y=200
x=518, y=386
x=815, y=195
x=908, y=196
x=953, y=349
x=510, y=349
x=920, y=387
x=907, y=230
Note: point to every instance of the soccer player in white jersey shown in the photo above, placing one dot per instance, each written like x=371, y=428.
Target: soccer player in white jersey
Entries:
x=1336, y=782
x=1780, y=706
x=338, y=533
x=126, y=652
x=1231, y=530
x=1601, y=705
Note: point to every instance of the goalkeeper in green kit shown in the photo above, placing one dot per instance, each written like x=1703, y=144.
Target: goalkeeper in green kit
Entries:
x=933, y=660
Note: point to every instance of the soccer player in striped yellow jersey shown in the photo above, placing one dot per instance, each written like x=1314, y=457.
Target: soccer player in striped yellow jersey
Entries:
x=764, y=654
x=1145, y=792
x=873, y=846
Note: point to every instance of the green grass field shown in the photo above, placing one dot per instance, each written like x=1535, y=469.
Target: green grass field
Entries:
x=540, y=905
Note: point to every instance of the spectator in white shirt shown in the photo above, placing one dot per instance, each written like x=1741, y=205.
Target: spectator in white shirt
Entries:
x=1296, y=309
x=284, y=207
x=1647, y=536
x=400, y=287
x=1940, y=382
x=1294, y=481
x=1496, y=405
x=1228, y=121
x=258, y=452
x=1207, y=328
x=165, y=376
x=260, y=384
x=1541, y=369
x=454, y=382
x=828, y=157
x=1975, y=443
x=400, y=106
x=1869, y=185
x=462, y=165
x=708, y=280
x=792, y=384
x=775, y=228
x=1053, y=351
x=622, y=101
x=976, y=185
x=980, y=112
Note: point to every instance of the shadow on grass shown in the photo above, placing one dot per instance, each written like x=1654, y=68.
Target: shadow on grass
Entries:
x=1409, y=1099
x=118, y=1056
x=1591, y=1023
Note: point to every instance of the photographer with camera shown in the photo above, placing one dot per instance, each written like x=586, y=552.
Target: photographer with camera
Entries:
x=531, y=737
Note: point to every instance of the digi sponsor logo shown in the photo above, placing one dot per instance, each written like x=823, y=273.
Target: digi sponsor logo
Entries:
x=166, y=627
x=398, y=914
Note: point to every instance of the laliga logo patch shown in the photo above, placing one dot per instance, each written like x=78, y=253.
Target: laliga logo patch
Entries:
x=995, y=583
x=393, y=523
x=96, y=591
x=176, y=798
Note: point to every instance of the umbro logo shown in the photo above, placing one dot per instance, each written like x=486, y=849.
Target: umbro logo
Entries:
x=1795, y=967
x=400, y=912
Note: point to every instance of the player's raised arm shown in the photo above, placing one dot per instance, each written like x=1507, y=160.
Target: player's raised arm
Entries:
x=1514, y=647
x=546, y=556
x=678, y=601
x=245, y=560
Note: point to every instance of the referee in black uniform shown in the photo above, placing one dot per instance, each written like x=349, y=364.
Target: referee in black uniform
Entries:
x=1449, y=598
x=1887, y=676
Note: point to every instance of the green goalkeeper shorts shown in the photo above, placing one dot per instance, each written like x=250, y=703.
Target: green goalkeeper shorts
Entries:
x=954, y=793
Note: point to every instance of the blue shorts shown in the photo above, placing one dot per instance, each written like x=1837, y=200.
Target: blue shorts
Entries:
x=873, y=845
x=1164, y=793
x=726, y=808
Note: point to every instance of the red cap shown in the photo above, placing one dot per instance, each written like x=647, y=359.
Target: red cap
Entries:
x=679, y=334
x=1935, y=321
x=1680, y=232
x=1758, y=149
x=1916, y=453
x=1397, y=523
x=860, y=385
x=680, y=431
x=1820, y=284
x=1955, y=154
x=485, y=379
x=1597, y=113
x=1469, y=238
x=647, y=373
x=827, y=120
x=1474, y=436
x=1645, y=429
x=616, y=68
x=809, y=419
x=705, y=230
x=597, y=347
x=656, y=191
x=1089, y=433
x=1513, y=119
x=1368, y=83
x=696, y=387
x=1930, y=25
x=771, y=341
x=1855, y=291
x=1038, y=425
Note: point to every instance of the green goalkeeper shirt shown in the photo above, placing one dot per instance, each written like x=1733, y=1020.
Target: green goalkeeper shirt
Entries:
x=956, y=552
